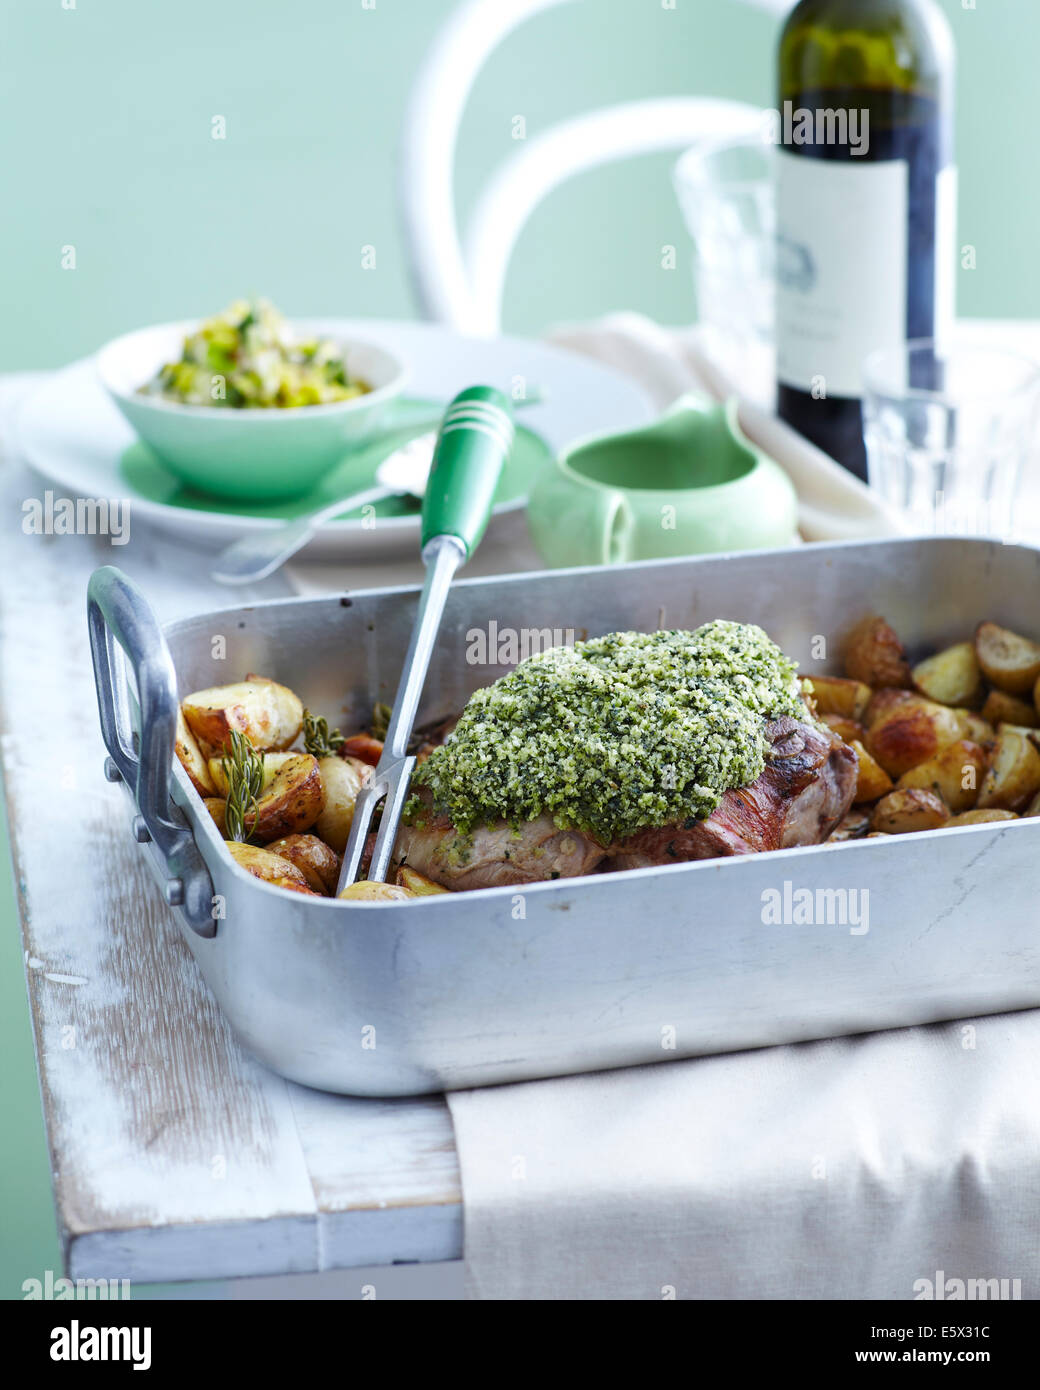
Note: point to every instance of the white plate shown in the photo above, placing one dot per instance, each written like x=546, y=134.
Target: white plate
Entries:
x=70, y=431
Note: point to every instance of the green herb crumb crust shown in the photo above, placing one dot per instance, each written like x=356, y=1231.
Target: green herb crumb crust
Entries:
x=621, y=733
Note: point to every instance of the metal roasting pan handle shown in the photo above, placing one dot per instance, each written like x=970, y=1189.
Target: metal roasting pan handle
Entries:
x=121, y=622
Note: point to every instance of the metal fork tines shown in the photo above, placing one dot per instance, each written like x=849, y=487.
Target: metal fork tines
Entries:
x=442, y=555
x=391, y=782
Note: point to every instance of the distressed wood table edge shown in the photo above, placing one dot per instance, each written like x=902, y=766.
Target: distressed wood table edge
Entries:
x=149, y=1168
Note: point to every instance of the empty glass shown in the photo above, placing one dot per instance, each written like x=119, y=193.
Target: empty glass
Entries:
x=950, y=432
x=726, y=192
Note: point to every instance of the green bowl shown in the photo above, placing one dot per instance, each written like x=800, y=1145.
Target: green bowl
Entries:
x=253, y=454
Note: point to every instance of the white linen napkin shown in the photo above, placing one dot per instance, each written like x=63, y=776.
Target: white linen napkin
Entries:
x=875, y=1167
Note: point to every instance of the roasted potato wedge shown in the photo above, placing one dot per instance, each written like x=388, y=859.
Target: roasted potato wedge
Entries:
x=1024, y=729
x=1010, y=662
x=951, y=677
x=418, y=884
x=955, y=773
x=1033, y=809
x=873, y=781
x=912, y=732
x=365, y=892
x=315, y=860
x=341, y=780
x=268, y=714
x=290, y=803
x=974, y=727
x=837, y=695
x=272, y=868
x=903, y=812
x=1002, y=708
x=980, y=817
x=273, y=764
x=1013, y=778
x=875, y=655
x=217, y=806
x=882, y=702
x=191, y=758
x=848, y=730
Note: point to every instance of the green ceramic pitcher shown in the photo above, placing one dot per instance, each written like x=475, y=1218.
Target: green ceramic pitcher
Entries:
x=689, y=484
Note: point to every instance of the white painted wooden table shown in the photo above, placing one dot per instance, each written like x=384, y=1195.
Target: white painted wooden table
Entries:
x=174, y=1155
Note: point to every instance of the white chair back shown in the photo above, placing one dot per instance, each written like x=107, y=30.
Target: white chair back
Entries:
x=461, y=284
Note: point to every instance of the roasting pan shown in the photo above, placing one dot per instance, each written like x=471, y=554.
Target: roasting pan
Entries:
x=611, y=970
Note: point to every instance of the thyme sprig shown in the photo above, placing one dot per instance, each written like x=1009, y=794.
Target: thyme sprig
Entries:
x=244, y=769
x=317, y=738
x=381, y=715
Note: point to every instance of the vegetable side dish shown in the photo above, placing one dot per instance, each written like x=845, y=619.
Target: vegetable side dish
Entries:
x=632, y=750
x=246, y=357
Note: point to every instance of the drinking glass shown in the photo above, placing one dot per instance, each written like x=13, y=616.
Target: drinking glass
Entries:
x=727, y=196
x=950, y=432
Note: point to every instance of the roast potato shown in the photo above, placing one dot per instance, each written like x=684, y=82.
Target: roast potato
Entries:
x=268, y=714
x=903, y=812
x=836, y=695
x=315, y=860
x=1002, y=708
x=191, y=759
x=418, y=884
x=1033, y=809
x=365, y=892
x=980, y=817
x=955, y=773
x=273, y=764
x=910, y=733
x=872, y=780
x=848, y=730
x=290, y=803
x=217, y=806
x=271, y=868
x=1013, y=778
x=951, y=677
x=882, y=702
x=291, y=799
x=1010, y=662
x=974, y=727
x=875, y=655
x=341, y=780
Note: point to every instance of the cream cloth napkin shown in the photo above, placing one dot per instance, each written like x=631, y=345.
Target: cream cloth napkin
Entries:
x=832, y=504
x=852, y=1169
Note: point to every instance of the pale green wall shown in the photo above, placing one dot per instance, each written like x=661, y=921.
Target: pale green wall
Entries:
x=107, y=111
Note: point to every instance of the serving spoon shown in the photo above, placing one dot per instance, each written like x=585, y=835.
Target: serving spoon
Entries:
x=402, y=473
x=474, y=441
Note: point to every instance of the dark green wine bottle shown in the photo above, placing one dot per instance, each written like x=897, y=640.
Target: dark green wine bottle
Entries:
x=866, y=202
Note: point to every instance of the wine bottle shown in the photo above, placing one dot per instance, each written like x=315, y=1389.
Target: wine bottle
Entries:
x=866, y=203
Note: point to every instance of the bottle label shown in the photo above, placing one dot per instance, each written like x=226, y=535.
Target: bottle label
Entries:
x=842, y=267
